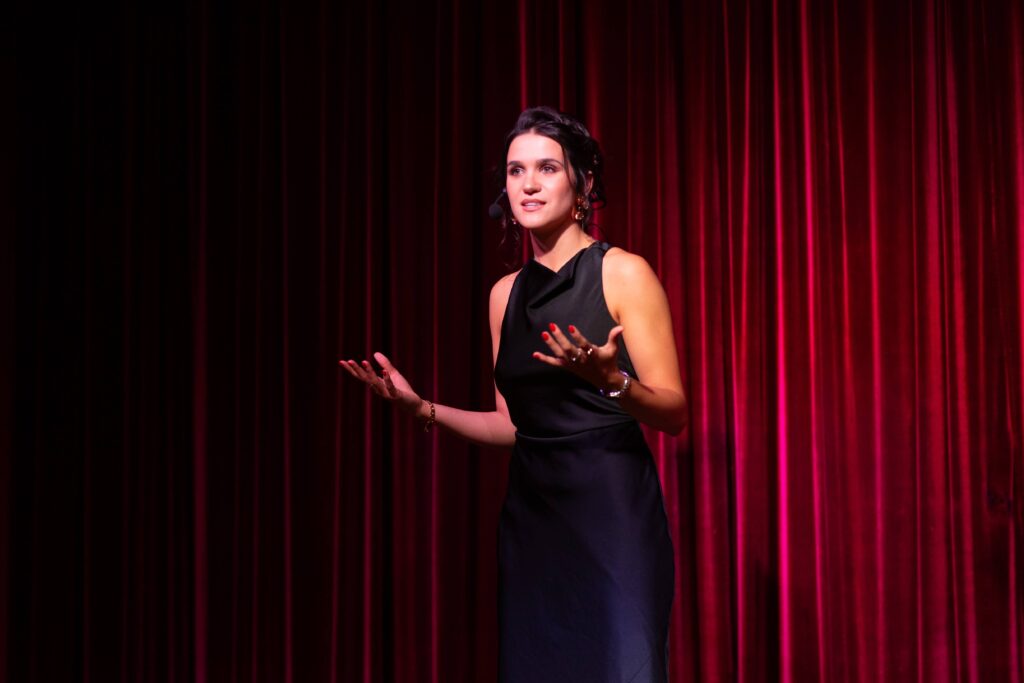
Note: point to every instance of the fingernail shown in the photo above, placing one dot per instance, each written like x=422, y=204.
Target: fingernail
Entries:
x=545, y=336
x=552, y=326
x=572, y=329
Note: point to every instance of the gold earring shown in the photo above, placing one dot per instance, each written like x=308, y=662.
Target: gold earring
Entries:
x=581, y=208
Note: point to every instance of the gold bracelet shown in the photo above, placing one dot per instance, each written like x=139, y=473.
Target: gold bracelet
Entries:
x=430, y=420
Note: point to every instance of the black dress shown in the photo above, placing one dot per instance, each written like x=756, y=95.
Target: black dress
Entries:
x=584, y=554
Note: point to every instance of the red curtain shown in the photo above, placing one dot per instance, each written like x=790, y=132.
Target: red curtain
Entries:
x=215, y=203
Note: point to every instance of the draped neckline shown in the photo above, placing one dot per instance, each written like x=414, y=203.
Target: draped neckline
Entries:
x=547, y=283
x=566, y=264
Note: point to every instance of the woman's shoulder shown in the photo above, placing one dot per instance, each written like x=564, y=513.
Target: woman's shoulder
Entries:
x=504, y=285
x=621, y=265
x=500, y=293
x=630, y=284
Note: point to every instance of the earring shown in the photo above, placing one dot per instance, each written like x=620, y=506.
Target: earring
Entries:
x=581, y=208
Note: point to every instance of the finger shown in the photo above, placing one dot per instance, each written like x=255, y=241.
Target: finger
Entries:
x=557, y=362
x=349, y=370
x=359, y=372
x=383, y=360
x=613, y=338
x=389, y=385
x=562, y=340
x=373, y=378
x=578, y=337
x=356, y=369
x=553, y=345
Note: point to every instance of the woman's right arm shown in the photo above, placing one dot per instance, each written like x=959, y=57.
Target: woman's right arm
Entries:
x=491, y=428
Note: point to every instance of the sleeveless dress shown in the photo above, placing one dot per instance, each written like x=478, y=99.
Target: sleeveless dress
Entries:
x=584, y=554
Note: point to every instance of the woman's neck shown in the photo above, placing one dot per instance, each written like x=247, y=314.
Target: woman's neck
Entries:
x=553, y=250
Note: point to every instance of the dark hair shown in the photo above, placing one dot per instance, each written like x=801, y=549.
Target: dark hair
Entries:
x=582, y=152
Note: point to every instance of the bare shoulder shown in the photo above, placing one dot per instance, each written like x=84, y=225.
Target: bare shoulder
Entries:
x=503, y=287
x=629, y=280
x=499, y=295
x=625, y=269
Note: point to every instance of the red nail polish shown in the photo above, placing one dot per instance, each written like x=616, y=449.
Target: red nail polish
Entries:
x=552, y=326
x=545, y=336
x=572, y=330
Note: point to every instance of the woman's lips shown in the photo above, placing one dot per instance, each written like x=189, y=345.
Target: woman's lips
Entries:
x=532, y=206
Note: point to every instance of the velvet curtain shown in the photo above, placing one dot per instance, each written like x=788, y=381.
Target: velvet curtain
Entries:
x=214, y=202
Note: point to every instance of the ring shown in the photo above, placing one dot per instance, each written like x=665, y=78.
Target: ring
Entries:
x=589, y=350
x=575, y=358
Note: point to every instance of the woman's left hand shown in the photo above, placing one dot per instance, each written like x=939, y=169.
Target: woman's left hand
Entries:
x=597, y=364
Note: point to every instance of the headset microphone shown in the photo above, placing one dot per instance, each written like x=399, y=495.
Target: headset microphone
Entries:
x=495, y=211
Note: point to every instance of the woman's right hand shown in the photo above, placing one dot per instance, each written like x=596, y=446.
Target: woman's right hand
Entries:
x=390, y=384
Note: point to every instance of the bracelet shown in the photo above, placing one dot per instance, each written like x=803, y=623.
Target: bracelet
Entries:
x=430, y=420
x=618, y=393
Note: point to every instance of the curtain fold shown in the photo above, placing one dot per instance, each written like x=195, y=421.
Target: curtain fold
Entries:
x=214, y=203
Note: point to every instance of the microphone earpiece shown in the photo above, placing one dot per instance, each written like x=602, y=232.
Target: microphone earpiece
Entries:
x=495, y=211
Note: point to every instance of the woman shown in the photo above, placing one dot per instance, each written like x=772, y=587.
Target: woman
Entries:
x=583, y=349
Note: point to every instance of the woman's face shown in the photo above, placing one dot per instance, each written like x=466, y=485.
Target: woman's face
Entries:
x=537, y=178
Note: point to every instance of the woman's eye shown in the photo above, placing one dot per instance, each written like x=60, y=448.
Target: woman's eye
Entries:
x=548, y=169
x=515, y=170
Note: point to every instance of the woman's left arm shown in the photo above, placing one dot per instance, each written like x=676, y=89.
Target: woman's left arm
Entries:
x=638, y=302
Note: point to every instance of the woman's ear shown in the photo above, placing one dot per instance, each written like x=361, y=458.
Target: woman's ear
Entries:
x=590, y=181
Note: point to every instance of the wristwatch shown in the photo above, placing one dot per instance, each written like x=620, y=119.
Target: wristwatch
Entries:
x=618, y=393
